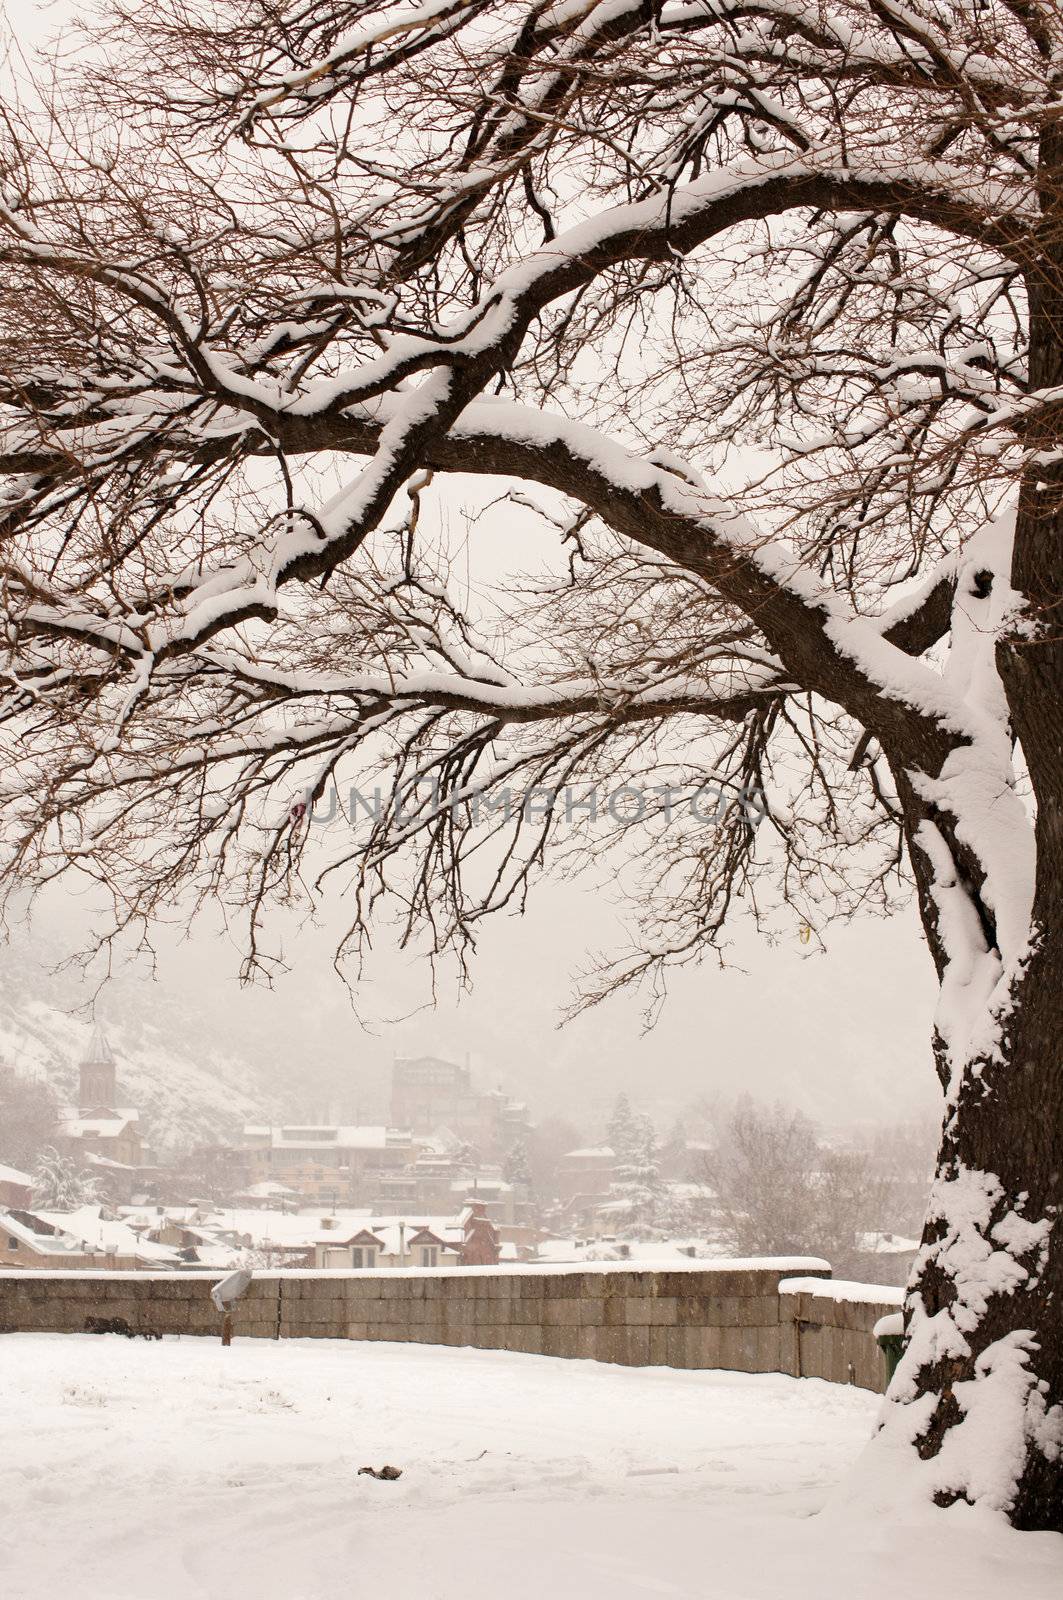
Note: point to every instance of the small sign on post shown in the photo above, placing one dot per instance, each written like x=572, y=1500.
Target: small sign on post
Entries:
x=224, y=1294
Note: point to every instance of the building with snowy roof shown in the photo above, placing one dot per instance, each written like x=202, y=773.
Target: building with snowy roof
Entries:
x=325, y=1162
x=16, y=1188
x=98, y=1126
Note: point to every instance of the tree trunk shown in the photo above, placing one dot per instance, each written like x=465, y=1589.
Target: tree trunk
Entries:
x=985, y=1312
x=980, y=1390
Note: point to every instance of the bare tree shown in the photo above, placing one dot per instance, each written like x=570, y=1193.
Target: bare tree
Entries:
x=779, y=1189
x=854, y=1199
x=595, y=250
x=762, y=1168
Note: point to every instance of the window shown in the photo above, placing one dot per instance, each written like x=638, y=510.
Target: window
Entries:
x=13, y=1244
x=356, y=1256
x=363, y=1255
x=429, y=1255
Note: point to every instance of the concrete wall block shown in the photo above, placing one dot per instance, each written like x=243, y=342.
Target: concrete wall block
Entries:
x=374, y=1311
x=360, y=1289
x=788, y=1352
x=816, y=1352
x=769, y=1347
x=524, y=1338
x=561, y=1314
x=637, y=1353
x=760, y=1311
x=614, y=1311
x=685, y=1284
x=861, y=1315
x=631, y=1283
x=318, y=1311
x=710, y=1311
x=562, y=1341
x=398, y=1288
x=395, y=1332
x=420, y=1313
x=659, y=1346
x=257, y=1289
x=459, y=1308
x=611, y=1344
x=699, y=1347
x=491, y=1338
x=486, y=1313
x=865, y=1363
x=562, y=1285
x=738, y=1349
x=499, y=1286
x=592, y=1312
x=523, y=1313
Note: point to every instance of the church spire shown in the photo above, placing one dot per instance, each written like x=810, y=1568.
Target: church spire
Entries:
x=99, y=1053
x=98, y=1088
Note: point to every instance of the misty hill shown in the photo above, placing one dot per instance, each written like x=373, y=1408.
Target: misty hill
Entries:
x=186, y=1088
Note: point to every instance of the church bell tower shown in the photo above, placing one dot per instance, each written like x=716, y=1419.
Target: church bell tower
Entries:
x=98, y=1087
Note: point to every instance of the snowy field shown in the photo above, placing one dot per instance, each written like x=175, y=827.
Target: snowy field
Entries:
x=176, y=1470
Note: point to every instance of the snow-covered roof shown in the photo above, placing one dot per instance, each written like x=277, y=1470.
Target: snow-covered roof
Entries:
x=157, y=1216
x=295, y=1136
x=885, y=1244
x=601, y=1152
x=342, y=1237
x=45, y=1244
x=288, y=1230
x=468, y=1187
x=76, y=1126
x=99, y=1233
x=13, y=1175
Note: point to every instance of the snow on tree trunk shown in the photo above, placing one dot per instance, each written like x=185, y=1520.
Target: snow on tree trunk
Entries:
x=979, y=1392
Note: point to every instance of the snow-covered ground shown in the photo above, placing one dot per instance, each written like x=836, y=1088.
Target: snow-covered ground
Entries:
x=176, y=1470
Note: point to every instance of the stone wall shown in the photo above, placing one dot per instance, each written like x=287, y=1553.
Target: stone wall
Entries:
x=710, y=1314
x=832, y=1325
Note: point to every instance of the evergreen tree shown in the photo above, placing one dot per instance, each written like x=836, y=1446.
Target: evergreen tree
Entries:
x=515, y=1168
x=621, y=1131
x=59, y=1184
x=636, y=1185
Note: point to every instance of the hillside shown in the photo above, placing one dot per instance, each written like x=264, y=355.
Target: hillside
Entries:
x=186, y=1088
